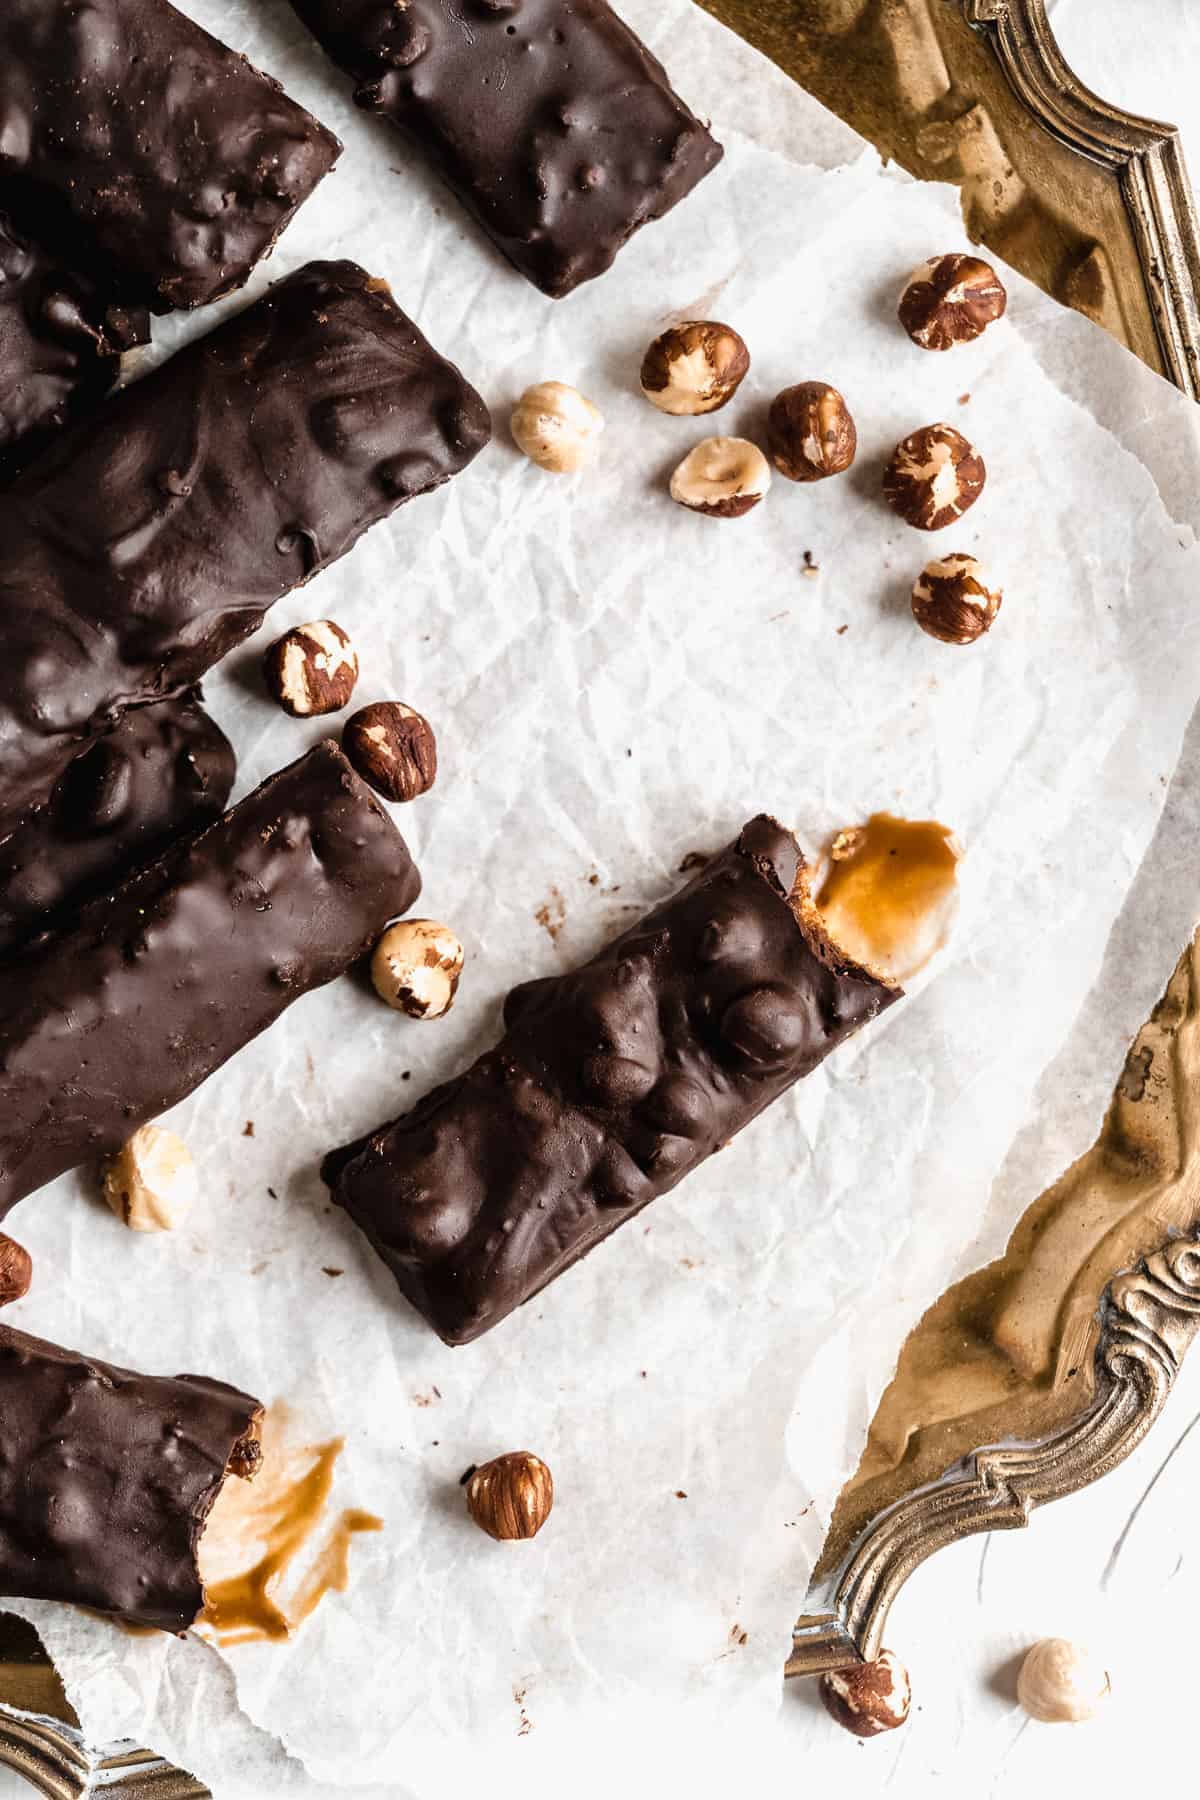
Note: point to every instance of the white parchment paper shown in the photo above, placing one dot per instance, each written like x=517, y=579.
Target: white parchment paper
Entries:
x=615, y=683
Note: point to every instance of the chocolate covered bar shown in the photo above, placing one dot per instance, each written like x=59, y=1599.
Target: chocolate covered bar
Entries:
x=153, y=148
x=549, y=119
x=609, y=1086
x=165, y=770
x=149, y=541
x=62, y=335
x=107, y=1479
x=156, y=985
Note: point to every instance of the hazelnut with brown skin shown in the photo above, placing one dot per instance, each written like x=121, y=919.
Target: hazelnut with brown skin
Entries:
x=694, y=368
x=311, y=670
x=393, y=748
x=722, y=478
x=510, y=1497
x=810, y=433
x=415, y=967
x=16, y=1271
x=953, y=600
x=933, y=476
x=950, y=300
x=869, y=1698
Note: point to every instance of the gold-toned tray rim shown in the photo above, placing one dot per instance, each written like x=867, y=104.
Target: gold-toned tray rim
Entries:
x=1151, y=1315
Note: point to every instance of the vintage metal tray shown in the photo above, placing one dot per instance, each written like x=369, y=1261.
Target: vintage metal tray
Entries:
x=1095, y=205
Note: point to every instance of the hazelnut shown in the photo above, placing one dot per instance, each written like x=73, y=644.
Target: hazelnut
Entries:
x=311, y=670
x=151, y=1183
x=810, y=433
x=511, y=1496
x=556, y=426
x=415, y=967
x=950, y=300
x=870, y=1697
x=722, y=478
x=393, y=747
x=933, y=477
x=693, y=368
x=16, y=1271
x=1062, y=1683
x=952, y=601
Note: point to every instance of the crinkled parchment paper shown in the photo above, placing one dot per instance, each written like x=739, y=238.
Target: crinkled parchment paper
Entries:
x=616, y=683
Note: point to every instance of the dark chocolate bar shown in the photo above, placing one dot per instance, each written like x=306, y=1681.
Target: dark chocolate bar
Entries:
x=146, y=543
x=549, y=119
x=161, y=153
x=610, y=1085
x=62, y=335
x=165, y=770
x=107, y=1479
x=156, y=985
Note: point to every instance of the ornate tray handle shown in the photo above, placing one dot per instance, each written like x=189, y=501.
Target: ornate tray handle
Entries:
x=1149, y=1318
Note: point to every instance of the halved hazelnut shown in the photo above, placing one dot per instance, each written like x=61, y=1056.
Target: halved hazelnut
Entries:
x=721, y=478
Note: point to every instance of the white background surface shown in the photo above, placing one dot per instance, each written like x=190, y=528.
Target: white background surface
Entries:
x=957, y=1626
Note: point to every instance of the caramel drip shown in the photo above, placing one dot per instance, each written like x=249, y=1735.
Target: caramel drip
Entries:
x=889, y=895
x=274, y=1525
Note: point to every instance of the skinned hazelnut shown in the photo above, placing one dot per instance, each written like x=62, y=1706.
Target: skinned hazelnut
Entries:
x=810, y=433
x=953, y=601
x=933, y=476
x=556, y=427
x=393, y=748
x=511, y=1496
x=16, y=1271
x=415, y=967
x=311, y=670
x=694, y=368
x=950, y=300
x=721, y=477
x=869, y=1698
x=151, y=1183
x=1062, y=1683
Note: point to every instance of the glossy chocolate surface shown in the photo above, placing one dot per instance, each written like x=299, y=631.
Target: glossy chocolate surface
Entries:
x=549, y=119
x=107, y=1478
x=165, y=770
x=156, y=985
x=162, y=152
x=610, y=1085
x=148, y=542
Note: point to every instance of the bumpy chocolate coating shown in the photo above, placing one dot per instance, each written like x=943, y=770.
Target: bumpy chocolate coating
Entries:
x=148, y=542
x=106, y=1025
x=61, y=338
x=172, y=157
x=609, y=1086
x=549, y=119
x=163, y=771
x=107, y=1479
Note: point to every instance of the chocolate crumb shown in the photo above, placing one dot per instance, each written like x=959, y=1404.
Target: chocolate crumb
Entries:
x=551, y=915
x=679, y=1494
x=272, y=1193
x=593, y=879
x=841, y=629
x=406, y=1075
x=332, y=1273
x=963, y=398
x=248, y=1128
x=810, y=567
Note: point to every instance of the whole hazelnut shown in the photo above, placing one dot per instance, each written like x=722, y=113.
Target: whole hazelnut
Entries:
x=511, y=1496
x=415, y=967
x=950, y=300
x=556, y=426
x=393, y=747
x=311, y=670
x=1062, y=1683
x=952, y=599
x=870, y=1697
x=933, y=476
x=151, y=1183
x=16, y=1271
x=694, y=368
x=810, y=433
x=721, y=477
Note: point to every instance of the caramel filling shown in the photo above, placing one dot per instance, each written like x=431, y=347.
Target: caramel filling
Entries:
x=889, y=895
x=269, y=1554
